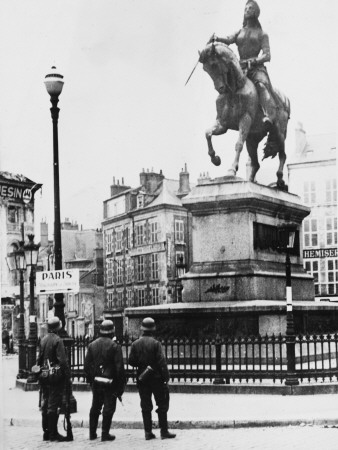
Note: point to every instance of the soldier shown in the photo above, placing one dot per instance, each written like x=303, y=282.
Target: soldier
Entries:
x=105, y=372
x=52, y=353
x=152, y=378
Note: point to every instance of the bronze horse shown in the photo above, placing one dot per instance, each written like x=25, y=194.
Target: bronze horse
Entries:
x=238, y=108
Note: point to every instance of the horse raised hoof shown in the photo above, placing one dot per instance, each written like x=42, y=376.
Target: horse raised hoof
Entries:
x=216, y=160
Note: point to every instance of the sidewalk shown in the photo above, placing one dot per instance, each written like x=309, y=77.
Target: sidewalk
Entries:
x=191, y=410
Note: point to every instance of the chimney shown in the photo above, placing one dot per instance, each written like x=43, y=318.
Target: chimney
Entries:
x=184, y=187
x=116, y=188
x=44, y=234
x=151, y=180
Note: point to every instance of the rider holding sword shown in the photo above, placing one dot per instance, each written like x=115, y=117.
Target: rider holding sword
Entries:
x=254, y=50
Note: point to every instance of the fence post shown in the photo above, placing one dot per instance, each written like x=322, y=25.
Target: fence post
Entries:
x=218, y=349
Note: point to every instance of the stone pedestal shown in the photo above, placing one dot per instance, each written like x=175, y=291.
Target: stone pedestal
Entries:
x=235, y=239
x=236, y=285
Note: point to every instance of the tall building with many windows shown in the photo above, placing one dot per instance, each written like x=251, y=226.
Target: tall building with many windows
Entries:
x=16, y=223
x=146, y=234
x=313, y=176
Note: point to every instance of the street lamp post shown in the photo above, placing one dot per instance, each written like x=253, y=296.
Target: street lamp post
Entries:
x=31, y=256
x=54, y=84
x=16, y=261
x=287, y=235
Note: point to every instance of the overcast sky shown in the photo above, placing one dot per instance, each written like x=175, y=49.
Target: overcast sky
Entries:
x=124, y=106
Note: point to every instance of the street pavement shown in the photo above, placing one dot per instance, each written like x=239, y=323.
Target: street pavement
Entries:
x=201, y=421
x=281, y=438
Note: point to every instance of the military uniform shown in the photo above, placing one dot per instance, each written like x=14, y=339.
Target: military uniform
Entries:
x=147, y=352
x=104, y=359
x=53, y=350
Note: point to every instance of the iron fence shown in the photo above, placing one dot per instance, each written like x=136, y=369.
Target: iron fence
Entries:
x=240, y=359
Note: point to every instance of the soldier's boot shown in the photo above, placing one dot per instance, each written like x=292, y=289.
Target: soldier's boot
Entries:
x=148, y=425
x=163, y=424
x=106, y=422
x=53, y=428
x=45, y=427
x=93, y=421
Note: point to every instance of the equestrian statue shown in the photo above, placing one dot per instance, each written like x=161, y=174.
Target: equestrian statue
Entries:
x=247, y=102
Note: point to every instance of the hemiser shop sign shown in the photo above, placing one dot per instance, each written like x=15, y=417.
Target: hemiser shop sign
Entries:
x=321, y=253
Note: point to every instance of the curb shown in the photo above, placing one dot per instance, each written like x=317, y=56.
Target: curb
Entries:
x=188, y=424
x=198, y=388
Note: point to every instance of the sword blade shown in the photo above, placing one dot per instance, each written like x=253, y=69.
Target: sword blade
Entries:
x=193, y=70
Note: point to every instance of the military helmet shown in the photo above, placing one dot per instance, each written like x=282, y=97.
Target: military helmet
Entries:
x=54, y=324
x=107, y=328
x=148, y=324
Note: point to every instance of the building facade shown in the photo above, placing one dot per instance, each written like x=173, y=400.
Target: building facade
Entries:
x=147, y=237
x=313, y=175
x=16, y=223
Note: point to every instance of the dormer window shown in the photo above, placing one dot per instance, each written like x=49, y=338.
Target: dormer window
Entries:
x=140, y=201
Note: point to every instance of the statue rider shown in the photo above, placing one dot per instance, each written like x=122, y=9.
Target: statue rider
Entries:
x=254, y=50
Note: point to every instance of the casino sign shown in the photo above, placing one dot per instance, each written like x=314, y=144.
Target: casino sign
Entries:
x=17, y=188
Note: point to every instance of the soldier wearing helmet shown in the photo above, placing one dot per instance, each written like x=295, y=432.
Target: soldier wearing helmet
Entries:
x=105, y=372
x=152, y=378
x=254, y=50
x=52, y=353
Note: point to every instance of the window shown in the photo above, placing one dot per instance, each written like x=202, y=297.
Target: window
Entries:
x=312, y=267
x=71, y=302
x=118, y=240
x=309, y=192
x=129, y=275
x=140, y=201
x=331, y=230
x=179, y=231
x=129, y=297
x=127, y=242
x=13, y=214
x=109, y=241
x=109, y=271
x=139, y=234
x=141, y=295
x=140, y=268
x=331, y=191
x=119, y=271
x=154, y=266
x=155, y=295
x=180, y=258
x=310, y=233
x=110, y=300
x=119, y=299
x=154, y=232
x=332, y=276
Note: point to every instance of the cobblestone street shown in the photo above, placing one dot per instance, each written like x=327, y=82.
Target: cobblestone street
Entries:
x=281, y=438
